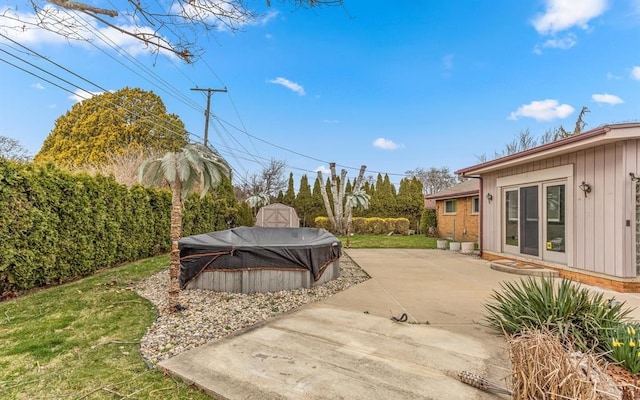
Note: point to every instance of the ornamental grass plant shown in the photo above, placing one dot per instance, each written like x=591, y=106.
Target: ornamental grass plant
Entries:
x=584, y=318
x=545, y=368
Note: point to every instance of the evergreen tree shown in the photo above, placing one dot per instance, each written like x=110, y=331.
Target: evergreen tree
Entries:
x=110, y=124
x=347, y=187
x=303, y=202
x=410, y=201
x=390, y=198
x=290, y=194
x=383, y=200
x=317, y=208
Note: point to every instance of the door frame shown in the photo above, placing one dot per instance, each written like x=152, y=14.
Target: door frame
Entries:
x=541, y=178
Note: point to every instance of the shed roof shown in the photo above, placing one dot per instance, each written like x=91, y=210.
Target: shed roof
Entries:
x=468, y=188
x=595, y=137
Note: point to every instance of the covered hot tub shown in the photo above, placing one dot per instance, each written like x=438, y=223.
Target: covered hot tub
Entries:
x=249, y=260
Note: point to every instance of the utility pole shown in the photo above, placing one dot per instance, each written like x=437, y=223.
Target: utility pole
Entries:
x=206, y=113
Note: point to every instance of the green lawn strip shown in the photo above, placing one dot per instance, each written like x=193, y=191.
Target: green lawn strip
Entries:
x=390, y=242
x=80, y=341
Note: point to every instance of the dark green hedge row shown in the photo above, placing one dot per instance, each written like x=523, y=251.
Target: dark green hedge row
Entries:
x=56, y=227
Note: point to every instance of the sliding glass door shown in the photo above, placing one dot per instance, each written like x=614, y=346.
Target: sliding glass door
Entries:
x=534, y=221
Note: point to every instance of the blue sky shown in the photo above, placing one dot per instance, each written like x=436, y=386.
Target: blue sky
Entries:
x=392, y=85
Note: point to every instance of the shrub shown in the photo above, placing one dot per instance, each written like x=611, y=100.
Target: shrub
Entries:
x=63, y=226
x=587, y=319
x=323, y=223
x=428, y=222
x=401, y=226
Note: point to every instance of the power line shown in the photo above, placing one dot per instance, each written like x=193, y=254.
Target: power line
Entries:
x=207, y=111
x=221, y=121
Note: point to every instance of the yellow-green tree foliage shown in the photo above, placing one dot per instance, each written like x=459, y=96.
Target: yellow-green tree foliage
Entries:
x=112, y=123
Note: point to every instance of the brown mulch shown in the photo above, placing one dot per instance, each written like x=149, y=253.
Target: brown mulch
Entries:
x=629, y=384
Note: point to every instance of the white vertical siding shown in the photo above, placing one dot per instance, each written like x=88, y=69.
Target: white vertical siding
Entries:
x=609, y=186
x=601, y=241
x=599, y=213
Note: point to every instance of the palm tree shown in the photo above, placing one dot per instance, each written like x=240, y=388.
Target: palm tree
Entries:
x=194, y=165
x=356, y=199
x=258, y=200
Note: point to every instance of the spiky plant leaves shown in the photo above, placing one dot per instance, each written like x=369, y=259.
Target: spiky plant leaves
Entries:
x=564, y=307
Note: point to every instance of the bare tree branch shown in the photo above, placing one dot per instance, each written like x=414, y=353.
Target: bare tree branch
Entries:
x=175, y=26
x=73, y=5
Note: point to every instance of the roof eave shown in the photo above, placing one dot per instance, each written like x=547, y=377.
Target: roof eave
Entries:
x=469, y=193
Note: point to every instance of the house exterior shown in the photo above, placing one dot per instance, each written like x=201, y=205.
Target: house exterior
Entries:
x=572, y=205
x=457, y=210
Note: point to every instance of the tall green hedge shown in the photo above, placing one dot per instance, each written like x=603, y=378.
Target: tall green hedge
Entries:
x=56, y=227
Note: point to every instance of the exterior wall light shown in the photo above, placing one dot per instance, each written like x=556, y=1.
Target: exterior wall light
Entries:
x=585, y=187
x=489, y=197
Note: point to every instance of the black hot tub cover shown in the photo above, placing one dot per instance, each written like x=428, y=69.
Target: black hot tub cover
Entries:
x=257, y=247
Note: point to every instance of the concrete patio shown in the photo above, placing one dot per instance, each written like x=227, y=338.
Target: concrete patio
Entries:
x=347, y=346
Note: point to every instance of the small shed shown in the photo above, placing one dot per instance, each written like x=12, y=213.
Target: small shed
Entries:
x=277, y=215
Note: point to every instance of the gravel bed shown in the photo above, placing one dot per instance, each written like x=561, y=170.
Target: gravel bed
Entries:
x=212, y=315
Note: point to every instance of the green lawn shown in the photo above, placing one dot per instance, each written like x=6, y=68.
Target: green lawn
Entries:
x=80, y=340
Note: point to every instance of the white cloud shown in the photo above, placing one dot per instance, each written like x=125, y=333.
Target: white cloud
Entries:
x=323, y=169
x=37, y=86
x=607, y=99
x=331, y=121
x=635, y=73
x=293, y=86
x=268, y=17
x=564, y=43
x=385, y=144
x=83, y=31
x=80, y=95
x=612, y=76
x=543, y=110
x=561, y=15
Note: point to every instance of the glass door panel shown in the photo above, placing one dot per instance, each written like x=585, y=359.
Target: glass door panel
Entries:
x=529, y=243
x=555, y=228
x=511, y=230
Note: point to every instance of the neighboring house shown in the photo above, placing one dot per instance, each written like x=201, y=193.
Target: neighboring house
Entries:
x=457, y=210
x=429, y=203
x=277, y=215
x=572, y=205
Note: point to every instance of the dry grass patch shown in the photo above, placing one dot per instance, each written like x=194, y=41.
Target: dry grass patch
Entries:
x=544, y=369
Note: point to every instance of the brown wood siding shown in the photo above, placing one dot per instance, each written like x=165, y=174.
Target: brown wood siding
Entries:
x=602, y=243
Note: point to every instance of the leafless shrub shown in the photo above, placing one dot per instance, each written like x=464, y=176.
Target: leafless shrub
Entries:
x=123, y=167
